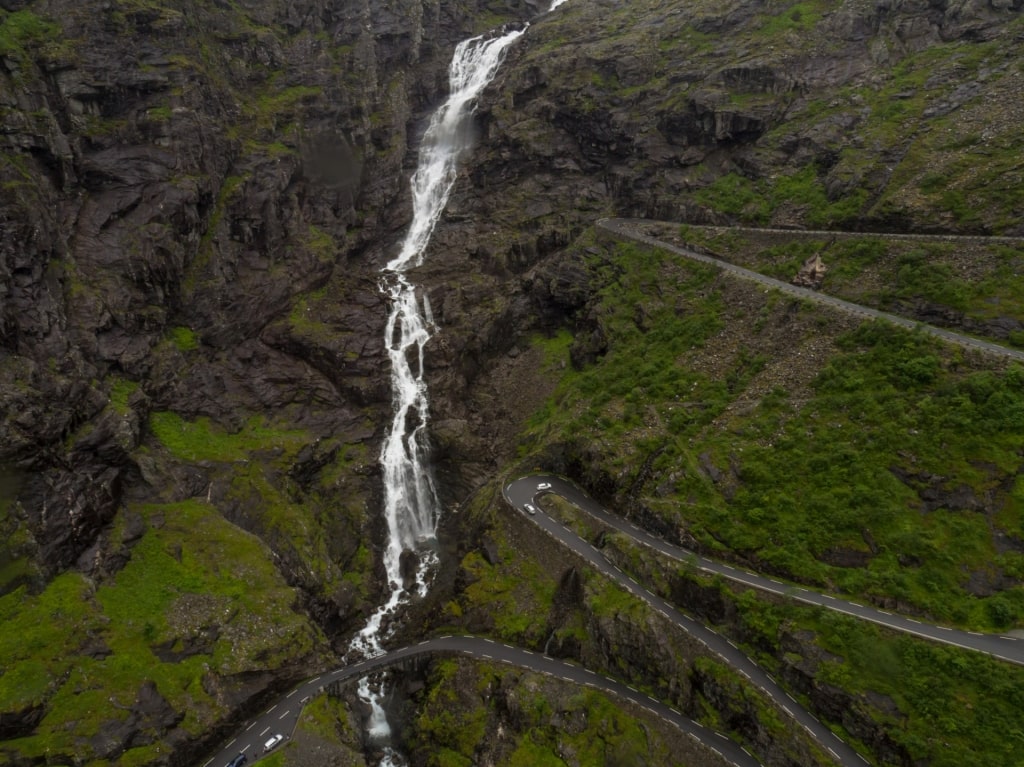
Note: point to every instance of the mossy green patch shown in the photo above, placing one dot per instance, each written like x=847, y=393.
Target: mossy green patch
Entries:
x=120, y=391
x=516, y=598
x=796, y=18
x=22, y=30
x=202, y=440
x=321, y=244
x=754, y=201
x=197, y=597
x=459, y=731
x=36, y=648
x=276, y=104
x=550, y=719
x=184, y=339
x=308, y=527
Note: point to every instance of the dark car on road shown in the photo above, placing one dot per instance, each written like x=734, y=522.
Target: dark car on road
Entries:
x=238, y=761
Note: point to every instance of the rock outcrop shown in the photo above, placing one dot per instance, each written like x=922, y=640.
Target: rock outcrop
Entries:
x=195, y=199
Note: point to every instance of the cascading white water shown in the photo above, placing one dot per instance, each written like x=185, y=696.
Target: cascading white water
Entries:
x=410, y=501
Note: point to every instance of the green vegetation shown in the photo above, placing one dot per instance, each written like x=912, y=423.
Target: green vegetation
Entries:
x=36, y=650
x=321, y=717
x=754, y=201
x=274, y=103
x=459, y=731
x=945, y=705
x=120, y=391
x=879, y=451
x=454, y=725
x=932, y=700
x=516, y=594
x=172, y=616
x=321, y=244
x=976, y=278
x=202, y=440
x=301, y=522
x=304, y=525
x=737, y=196
x=924, y=151
x=159, y=114
x=184, y=339
x=799, y=17
x=21, y=31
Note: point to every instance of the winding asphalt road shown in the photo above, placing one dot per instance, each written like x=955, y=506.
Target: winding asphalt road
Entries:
x=521, y=491
x=522, y=494
x=283, y=715
x=632, y=229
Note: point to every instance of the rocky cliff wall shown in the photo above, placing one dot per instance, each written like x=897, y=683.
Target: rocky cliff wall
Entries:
x=194, y=200
x=193, y=166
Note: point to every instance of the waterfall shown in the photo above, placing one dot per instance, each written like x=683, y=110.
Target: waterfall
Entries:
x=410, y=500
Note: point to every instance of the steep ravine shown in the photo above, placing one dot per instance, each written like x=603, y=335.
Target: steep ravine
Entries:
x=195, y=201
x=897, y=117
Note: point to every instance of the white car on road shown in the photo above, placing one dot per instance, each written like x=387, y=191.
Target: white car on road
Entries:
x=273, y=743
x=544, y=486
x=530, y=508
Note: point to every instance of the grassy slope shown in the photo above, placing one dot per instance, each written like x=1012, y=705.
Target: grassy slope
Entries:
x=803, y=416
x=554, y=722
x=971, y=282
x=220, y=589
x=775, y=436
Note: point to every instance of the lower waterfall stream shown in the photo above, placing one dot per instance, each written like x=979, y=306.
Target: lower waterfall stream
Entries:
x=411, y=505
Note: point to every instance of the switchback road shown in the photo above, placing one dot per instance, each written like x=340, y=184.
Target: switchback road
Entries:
x=522, y=494
x=1005, y=648
x=283, y=715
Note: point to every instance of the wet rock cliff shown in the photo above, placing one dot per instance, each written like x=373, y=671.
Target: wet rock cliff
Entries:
x=196, y=196
x=894, y=116
x=181, y=173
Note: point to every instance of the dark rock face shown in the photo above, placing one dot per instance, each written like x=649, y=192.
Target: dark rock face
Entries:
x=173, y=178
x=18, y=724
x=860, y=716
x=150, y=188
x=149, y=718
x=87, y=495
x=195, y=200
